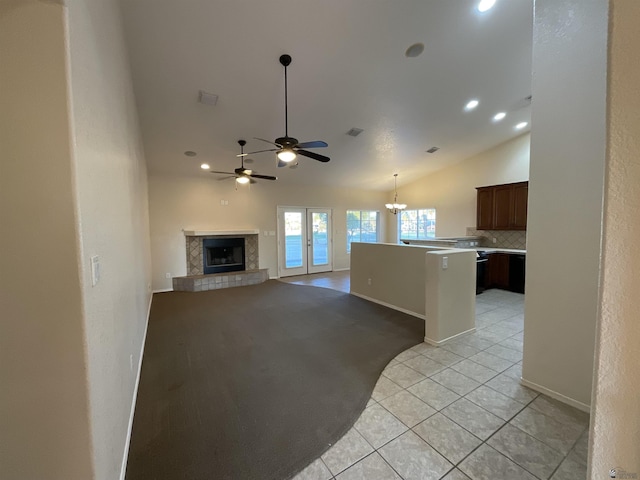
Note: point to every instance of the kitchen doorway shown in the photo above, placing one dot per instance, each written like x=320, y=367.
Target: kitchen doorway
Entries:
x=305, y=241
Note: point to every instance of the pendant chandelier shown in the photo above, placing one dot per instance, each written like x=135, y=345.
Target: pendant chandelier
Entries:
x=395, y=207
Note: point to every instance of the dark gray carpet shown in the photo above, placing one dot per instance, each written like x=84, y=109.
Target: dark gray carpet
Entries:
x=256, y=382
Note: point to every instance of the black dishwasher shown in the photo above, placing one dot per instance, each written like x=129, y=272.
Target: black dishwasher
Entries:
x=517, y=272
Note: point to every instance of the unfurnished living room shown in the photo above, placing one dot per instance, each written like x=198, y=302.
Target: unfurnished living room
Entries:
x=319, y=240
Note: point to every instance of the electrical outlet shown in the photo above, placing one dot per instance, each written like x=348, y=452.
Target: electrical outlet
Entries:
x=167, y=275
x=131, y=362
x=368, y=281
x=445, y=263
x=495, y=240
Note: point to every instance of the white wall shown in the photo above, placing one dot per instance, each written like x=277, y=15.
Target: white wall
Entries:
x=73, y=185
x=194, y=203
x=614, y=426
x=44, y=404
x=568, y=140
x=111, y=183
x=452, y=191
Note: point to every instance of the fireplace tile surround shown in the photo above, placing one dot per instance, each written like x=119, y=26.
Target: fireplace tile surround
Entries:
x=196, y=280
x=195, y=251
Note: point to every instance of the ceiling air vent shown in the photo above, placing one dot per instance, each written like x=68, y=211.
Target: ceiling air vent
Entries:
x=433, y=149
x=354, y=132
x=207, y=98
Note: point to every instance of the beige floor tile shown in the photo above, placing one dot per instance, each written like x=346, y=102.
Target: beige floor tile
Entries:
x=531, y=454
x=424, y=365
x=384, y=388
x=316, y=471
x=372, y=467
x=434, y=394
x=557, y=435
x=348, y=450
x=455, y=381
x=447, y=437
x=473, y=418
x=403, y=375
x=498, y=404
x=412, y=457
x=378, y=426
x=511, y=387
x=474, y=370
x=408, y=408
x=488, y=464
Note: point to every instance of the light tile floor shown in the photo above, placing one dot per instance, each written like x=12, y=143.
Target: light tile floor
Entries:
x=458, y=412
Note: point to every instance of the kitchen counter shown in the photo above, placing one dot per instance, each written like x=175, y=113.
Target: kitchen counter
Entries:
x=499, y=250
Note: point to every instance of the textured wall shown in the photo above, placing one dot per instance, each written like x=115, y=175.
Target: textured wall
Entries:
x=44, y=405
x=111, y=185
x=568, y=139
x=615, y=424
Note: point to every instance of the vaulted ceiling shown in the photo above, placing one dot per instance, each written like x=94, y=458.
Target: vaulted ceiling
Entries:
x=349, y=69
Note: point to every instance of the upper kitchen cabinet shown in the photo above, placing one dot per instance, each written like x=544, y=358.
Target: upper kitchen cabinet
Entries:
x=503, y=207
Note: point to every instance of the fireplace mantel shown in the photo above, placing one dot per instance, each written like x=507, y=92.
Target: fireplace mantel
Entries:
x=205, y=233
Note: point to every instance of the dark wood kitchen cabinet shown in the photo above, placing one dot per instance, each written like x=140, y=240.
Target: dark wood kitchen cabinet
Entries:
x=502, y=207
x=498, y=271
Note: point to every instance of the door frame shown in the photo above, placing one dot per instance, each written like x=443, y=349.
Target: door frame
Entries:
x=308, y=268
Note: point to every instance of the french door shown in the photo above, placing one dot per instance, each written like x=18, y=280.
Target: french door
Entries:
x=304, y=241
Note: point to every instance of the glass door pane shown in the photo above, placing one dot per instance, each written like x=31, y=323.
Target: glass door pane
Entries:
x=293, y=251
x=320, y=238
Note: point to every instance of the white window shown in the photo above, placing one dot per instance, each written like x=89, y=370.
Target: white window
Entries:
x=417, y=224
x=362, y=226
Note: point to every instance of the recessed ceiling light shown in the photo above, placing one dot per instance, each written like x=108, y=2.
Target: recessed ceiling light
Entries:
x=189, y=153
x=205, y=166
x=485, y=5
x=521, y=125
x=499, y=116
x=414, y=50
x=471, y=105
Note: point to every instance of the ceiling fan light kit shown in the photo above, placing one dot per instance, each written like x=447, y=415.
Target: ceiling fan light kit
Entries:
x=395, y=207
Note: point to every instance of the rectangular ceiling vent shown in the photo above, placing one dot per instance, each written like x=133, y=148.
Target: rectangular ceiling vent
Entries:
x=354, y=132
x=207, y=98
x=433, y=149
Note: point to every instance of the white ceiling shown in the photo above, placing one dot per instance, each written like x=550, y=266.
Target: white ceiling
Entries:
x=348, y=70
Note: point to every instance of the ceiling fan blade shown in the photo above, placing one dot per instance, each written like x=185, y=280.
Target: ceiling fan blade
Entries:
x=226, y=178
x=315, y=156
x=268, y=141
x=221, y=173
x=264, y=177
x=315, y=144
x=262, y=151
x=252, y=181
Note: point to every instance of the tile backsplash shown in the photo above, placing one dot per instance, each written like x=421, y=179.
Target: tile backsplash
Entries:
x=504, y=238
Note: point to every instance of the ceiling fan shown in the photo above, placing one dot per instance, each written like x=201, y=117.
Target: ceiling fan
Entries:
x=243, y=175
x=288, y=147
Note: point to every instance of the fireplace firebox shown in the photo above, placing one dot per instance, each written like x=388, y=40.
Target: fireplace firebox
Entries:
x=223, y=255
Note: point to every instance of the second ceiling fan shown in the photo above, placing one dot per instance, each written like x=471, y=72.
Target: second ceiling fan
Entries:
x=288, y=147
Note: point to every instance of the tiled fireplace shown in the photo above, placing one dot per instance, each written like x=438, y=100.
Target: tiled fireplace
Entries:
x=196, y=251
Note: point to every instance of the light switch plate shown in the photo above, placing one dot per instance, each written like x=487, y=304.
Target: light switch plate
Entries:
x=445, y=263
x=95, y=270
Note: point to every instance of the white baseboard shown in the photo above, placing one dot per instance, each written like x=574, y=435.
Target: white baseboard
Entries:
x=123, y=468
x=384, y=304
x=558, y=396
x=163, y=290
x=448, y=339
x=341, y=269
